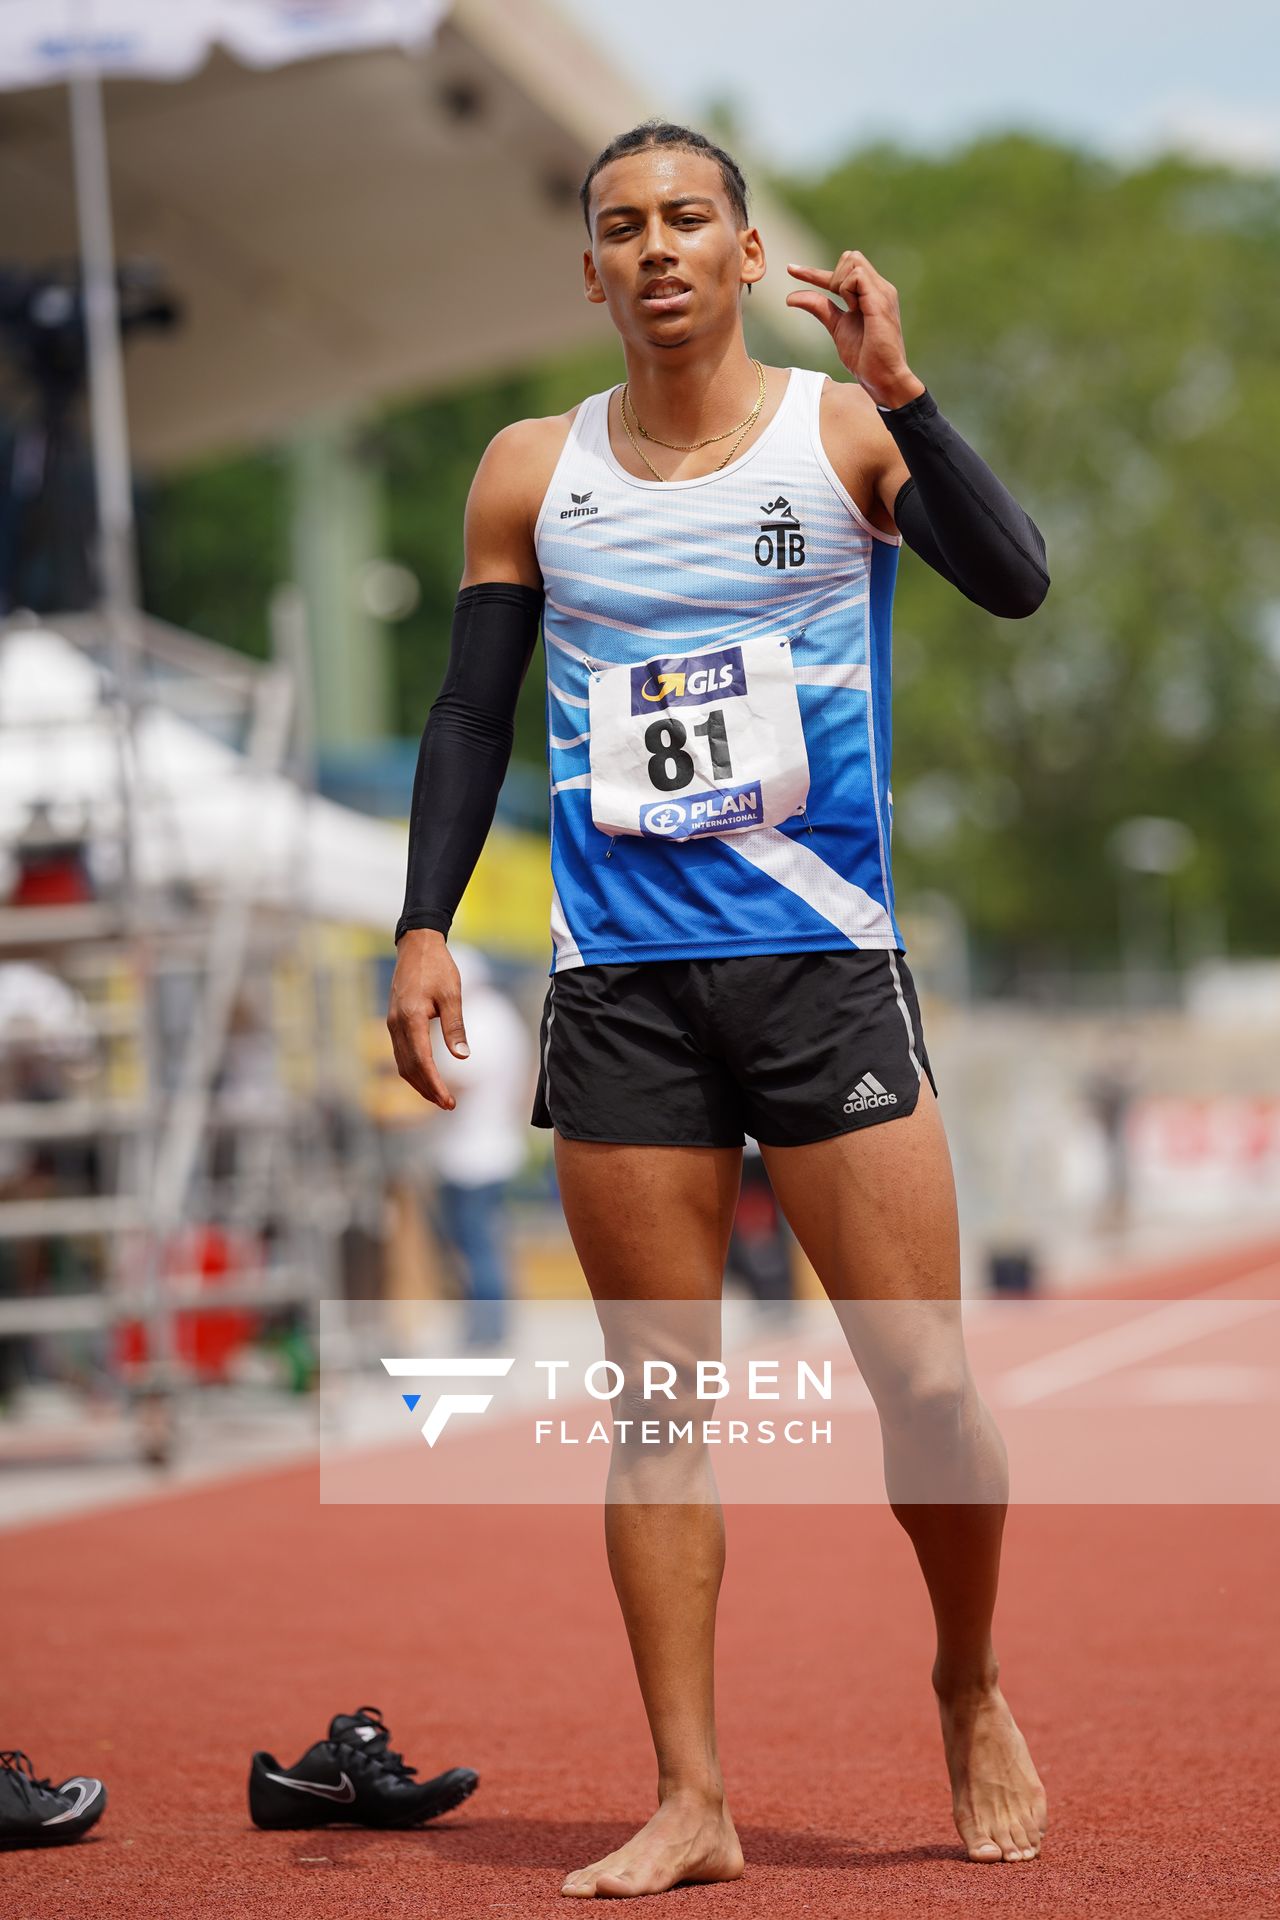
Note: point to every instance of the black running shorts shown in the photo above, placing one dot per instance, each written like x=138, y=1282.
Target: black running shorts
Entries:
x=790, y=1047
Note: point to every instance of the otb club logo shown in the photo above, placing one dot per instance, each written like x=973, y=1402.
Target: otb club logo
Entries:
x=780, y=543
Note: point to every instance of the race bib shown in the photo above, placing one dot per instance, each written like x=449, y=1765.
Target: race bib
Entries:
x=698, y=743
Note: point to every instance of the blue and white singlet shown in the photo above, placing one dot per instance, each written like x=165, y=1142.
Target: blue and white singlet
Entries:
x=640, y=570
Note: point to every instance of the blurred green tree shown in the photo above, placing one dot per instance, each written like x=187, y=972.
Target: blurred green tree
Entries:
x=214, y=542
x=429, y=452
x=1106, y=337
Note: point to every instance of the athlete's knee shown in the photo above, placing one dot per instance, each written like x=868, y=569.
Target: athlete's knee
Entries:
x=656, y=1427
x=934, y=1396
x=659, y=1447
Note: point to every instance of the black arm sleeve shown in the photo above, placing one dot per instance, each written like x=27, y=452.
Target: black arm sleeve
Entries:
x=466, y=745
x=955, y=514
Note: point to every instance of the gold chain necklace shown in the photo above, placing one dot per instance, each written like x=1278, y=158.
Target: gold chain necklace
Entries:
x=693, y=446
x=742, y=429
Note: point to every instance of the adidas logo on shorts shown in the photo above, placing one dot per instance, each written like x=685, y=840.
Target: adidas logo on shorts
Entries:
x=869, y=1093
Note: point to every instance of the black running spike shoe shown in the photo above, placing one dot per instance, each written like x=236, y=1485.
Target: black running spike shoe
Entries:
x=35, y=1813
x=352, y=1776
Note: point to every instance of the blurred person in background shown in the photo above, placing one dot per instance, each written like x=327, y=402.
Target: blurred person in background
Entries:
x=711, y=528
x=760, y=1244
x=1109, y=1092
x=480, y=1152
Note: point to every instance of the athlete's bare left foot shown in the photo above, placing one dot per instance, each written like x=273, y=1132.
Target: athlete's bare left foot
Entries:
x=690, y=1837
x=1000, y=1807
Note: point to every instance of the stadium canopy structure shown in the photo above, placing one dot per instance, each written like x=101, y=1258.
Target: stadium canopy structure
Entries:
x=337, y=230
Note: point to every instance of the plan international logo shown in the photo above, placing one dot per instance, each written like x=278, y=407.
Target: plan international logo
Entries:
x=712, y=812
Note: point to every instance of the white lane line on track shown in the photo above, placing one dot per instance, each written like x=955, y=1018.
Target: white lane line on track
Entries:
x=1172, y=1325
x=1207, y=1385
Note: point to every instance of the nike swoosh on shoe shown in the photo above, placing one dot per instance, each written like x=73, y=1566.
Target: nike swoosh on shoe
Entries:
x=87, y=1792
x=343, y=1791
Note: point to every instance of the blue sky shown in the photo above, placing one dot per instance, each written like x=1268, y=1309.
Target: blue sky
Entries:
x=811, y=78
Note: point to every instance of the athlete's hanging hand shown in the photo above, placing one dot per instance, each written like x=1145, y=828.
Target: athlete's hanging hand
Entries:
x=867, y=330
x=425, y=987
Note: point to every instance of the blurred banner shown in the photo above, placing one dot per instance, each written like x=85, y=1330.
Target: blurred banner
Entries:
x=43, y=41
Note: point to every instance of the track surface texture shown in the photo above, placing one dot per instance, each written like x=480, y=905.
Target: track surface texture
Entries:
x=159, y=1644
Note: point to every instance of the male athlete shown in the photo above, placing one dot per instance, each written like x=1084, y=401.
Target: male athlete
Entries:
x=711, y=551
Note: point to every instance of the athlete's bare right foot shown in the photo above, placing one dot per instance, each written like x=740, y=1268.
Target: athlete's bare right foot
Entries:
x=690, y=1837
x=1000, y=1807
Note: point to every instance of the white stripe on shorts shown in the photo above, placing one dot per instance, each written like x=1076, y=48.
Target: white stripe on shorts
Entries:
x=546, y=1047
x=906, y=1016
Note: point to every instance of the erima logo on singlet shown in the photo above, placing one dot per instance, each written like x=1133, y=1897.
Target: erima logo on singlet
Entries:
x=579, y=507
x=688, y=681
x=780, y=543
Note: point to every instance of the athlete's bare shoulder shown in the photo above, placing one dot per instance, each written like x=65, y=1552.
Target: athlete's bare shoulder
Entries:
x=527, y=450
x=859, y=446
x=509, y=487
x=851, y=407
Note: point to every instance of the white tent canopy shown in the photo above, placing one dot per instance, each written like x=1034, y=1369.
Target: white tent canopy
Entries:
x=205, y=818
x=338, y=230
x=41, y=40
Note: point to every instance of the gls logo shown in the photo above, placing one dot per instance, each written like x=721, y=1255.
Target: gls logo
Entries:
x=678, y=686
x=448, y=1403
x=780, y=543
x=675, y=683
x=579, y=510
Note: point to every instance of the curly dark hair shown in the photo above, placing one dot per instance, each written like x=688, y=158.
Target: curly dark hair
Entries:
x=663, y=133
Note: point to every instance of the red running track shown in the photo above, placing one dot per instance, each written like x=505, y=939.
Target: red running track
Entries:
x=159, y=1644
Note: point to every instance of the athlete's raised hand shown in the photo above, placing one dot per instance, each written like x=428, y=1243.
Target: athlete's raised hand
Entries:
x=425, y=987
x=867, y=330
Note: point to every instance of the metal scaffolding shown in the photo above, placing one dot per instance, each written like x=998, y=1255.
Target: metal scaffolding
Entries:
x=168, y=973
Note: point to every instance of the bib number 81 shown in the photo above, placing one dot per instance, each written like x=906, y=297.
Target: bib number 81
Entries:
x=670, y=767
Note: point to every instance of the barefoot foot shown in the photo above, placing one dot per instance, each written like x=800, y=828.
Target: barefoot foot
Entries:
x=1000, y=1807
x=690, y=1837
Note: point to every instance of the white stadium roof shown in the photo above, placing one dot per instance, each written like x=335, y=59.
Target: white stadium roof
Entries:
x=343, y=229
